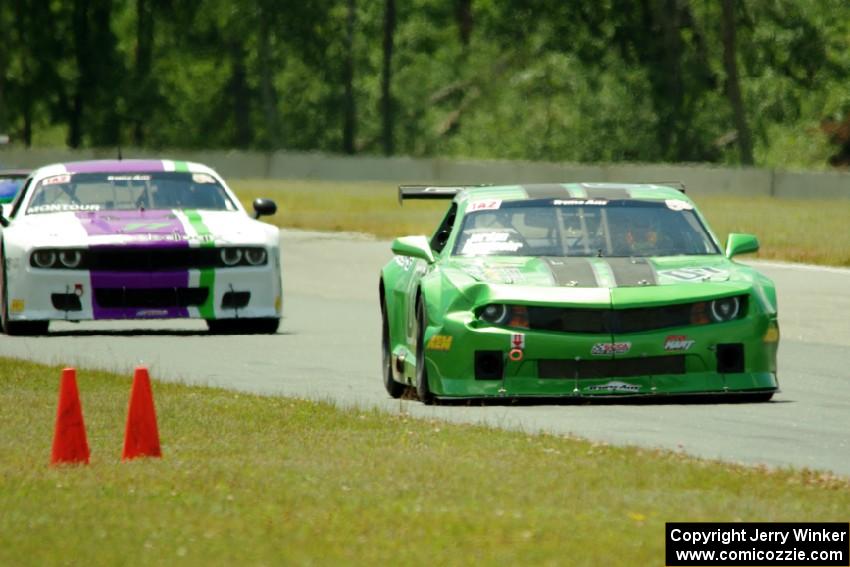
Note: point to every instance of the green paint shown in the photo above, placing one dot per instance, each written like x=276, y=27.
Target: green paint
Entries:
x=455, y=288
x=207, y=310
x=602, y=270
x=577, y=191
x=181, y=166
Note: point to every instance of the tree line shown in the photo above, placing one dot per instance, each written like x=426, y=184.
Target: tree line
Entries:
x=758, y=82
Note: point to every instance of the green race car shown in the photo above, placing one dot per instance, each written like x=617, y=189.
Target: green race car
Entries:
x=574, y=290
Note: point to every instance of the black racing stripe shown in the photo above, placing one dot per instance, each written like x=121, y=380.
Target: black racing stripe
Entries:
x=632, y=271
x=546, y=191
x=572, y=272
x=606, y=193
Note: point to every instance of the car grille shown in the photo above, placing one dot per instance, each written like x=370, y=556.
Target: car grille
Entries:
x=117, y=297
x=616, y=368
x=608, y=321
x=151, y=259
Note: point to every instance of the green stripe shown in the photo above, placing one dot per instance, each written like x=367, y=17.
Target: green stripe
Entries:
x=181, y=166
x=604, y=274
x=577, y=192
x=207, y=310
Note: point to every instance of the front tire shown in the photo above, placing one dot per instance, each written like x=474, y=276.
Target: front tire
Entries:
x=250, y=326
x=394, y=389
x=423, y=390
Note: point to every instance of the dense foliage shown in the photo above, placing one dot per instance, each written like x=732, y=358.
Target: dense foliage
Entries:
x=765, y=82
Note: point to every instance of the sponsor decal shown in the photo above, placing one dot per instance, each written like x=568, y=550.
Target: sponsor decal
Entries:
x=440, y=342
x=601, y=349
x=518, y=340
x=404, y=261
x=678, y=343
x=614, y=386
x=694, y=274
x=580, y=202
x=62, y=207
x=17, y=305
x=205, y=239
x=495, y=274
x=145, y=226
x=772, y=335
x=489, y=205
x=78, y=290
x=202, y=178
x=489, y=242
x=57, y=179
x=678, y=205
x=500, y=275
x=515, y=354
x=128, y=178
x=152, y=313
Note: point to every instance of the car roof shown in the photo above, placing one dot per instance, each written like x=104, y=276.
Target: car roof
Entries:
x=122, y=166
x=609, y=191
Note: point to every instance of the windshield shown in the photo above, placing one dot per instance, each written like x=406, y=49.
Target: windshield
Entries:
x=112, y=191
x=583, y=227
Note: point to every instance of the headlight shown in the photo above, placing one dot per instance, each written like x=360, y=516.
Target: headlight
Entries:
x=718, y=310
x=231, y=256
x=70, y=258
x=255, y=256
x=497, y=314
x=725, y=309
x=508, y=315
x=44, y=258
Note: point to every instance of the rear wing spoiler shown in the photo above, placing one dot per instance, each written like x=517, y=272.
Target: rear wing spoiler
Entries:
x=407, y=192
x=14, y=173
x=674, y=184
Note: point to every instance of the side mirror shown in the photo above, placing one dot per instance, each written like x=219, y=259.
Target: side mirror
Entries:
x=739, y=243
x=413, y=246
x=264, y=207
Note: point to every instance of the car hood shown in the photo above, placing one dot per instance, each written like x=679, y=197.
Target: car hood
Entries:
x=91, y=228
x=600, y=282
x=548, y=271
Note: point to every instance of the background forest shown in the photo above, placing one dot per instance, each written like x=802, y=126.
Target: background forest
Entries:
x=763, y=82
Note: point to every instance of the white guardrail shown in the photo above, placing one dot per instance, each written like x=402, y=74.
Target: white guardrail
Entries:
x=699, y=179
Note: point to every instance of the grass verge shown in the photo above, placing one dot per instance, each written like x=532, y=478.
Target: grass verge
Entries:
x=261, y=480
x=793, y=230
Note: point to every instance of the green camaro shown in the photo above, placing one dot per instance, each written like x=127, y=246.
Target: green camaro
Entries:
x=574, y=290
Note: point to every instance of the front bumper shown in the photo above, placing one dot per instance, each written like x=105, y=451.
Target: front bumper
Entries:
x=702, y=364
x=44, y=294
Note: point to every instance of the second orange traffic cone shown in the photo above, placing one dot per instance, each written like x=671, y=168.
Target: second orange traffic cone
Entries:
x=141, y=438
x=69, y=438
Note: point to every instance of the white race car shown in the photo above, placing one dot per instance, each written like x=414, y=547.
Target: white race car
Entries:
x=137, y=239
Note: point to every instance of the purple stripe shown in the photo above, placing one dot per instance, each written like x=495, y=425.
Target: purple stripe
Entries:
x=156, y=229
x=138, y=280
x=159, y=229
x=115, y=166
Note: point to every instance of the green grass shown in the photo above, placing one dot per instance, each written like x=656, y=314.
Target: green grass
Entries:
x=794, y=230
x=263, y=480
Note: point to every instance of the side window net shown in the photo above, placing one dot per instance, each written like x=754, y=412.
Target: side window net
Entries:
x=441, y=237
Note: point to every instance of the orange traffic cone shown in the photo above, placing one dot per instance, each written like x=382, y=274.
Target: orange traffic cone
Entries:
x=69, y=438
x=141, y=438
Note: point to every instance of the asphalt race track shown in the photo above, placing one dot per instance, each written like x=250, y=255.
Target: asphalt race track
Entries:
x=329, y=349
